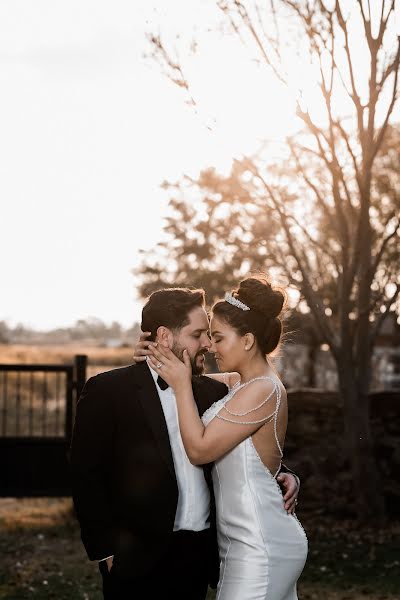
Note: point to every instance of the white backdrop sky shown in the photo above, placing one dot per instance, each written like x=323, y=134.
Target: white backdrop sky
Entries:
x=89, y=130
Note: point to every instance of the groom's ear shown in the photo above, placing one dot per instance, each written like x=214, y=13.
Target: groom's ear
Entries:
x=164, y=336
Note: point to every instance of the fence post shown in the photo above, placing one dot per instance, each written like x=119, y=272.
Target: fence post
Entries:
x=80, y=373
x=69, y=409
x=79, y=380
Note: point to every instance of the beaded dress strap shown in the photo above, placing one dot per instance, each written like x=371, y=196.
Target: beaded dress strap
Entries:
x=273, y=416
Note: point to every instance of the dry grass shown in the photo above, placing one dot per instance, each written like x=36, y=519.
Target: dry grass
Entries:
x=43, y=558
x=33, y=513
x=63, y=354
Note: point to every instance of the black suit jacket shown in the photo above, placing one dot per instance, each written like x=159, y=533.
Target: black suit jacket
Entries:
x=123, y=480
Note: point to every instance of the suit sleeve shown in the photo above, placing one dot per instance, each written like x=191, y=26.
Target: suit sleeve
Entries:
x=90, y=462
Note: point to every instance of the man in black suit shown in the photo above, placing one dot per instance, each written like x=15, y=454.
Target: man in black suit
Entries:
x=143, y=508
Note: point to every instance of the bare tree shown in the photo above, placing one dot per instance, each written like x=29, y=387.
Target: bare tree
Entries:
x=337, y=224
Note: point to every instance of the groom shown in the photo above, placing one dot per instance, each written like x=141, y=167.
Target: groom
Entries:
x=143, y=508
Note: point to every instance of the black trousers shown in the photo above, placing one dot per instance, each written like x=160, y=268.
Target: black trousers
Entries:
x=181, y=574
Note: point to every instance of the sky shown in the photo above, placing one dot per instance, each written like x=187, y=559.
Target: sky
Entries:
x=90, y=128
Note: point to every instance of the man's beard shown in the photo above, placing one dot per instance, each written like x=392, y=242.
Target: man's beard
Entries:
x=196, y=369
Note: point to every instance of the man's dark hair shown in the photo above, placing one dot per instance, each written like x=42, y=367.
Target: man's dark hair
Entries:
x=170, y=307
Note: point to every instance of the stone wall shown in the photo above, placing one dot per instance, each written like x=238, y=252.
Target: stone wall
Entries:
x=315, y=448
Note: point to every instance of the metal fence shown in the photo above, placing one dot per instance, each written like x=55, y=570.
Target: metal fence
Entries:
x=36, y=419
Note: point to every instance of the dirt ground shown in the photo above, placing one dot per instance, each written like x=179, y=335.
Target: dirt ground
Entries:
x=42, y=557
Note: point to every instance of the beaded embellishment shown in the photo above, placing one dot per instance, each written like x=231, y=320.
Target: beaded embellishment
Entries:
x=235, y=302
x=215, y=408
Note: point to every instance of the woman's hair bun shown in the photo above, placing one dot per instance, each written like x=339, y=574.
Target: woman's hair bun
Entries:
x=257, y=292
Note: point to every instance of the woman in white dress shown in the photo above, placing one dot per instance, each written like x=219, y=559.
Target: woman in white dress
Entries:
x=262, y=548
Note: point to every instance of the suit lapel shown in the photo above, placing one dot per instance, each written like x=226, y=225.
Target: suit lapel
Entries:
x=203, y=395
x=153, y=411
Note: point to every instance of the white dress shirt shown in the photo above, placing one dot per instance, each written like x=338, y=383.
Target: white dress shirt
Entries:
x=193, y=509
x=192, y=512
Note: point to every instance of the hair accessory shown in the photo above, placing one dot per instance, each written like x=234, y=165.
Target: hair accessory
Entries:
x=235, y=302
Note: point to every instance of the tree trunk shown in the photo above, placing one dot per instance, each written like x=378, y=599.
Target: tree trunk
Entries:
x=312, y=359
x=367, y=490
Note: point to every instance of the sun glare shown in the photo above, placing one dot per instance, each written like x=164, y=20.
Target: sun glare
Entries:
x=246, y=102
x=237, y=98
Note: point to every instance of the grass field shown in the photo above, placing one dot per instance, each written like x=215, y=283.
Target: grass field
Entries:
x=42, y=557
x=64, y=354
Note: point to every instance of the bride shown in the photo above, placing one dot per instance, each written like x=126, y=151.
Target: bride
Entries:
x=262, y=548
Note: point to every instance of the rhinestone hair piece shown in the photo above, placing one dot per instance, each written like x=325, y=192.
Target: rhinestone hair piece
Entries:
x=235, y=302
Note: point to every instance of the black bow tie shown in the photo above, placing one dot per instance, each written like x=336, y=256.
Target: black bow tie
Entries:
x=162, y=383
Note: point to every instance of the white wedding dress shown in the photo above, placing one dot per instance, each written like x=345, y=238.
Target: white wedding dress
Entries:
x=262, y=549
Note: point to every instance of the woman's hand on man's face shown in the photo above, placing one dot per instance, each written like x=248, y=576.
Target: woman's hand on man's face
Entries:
x=173, y=370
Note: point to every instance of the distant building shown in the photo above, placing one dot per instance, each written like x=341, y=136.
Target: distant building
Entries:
x=302, y=365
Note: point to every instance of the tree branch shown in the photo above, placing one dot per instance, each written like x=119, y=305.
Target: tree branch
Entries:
x=326, y=209
x=244, y=14
x=393, y=101
x=366, y=23
x=346, y=139
x=354, y=96
x=384, y=22
x=379, y=254
x=333, y=167
x=309, y=292
x=175, y=73
x=313, y=241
